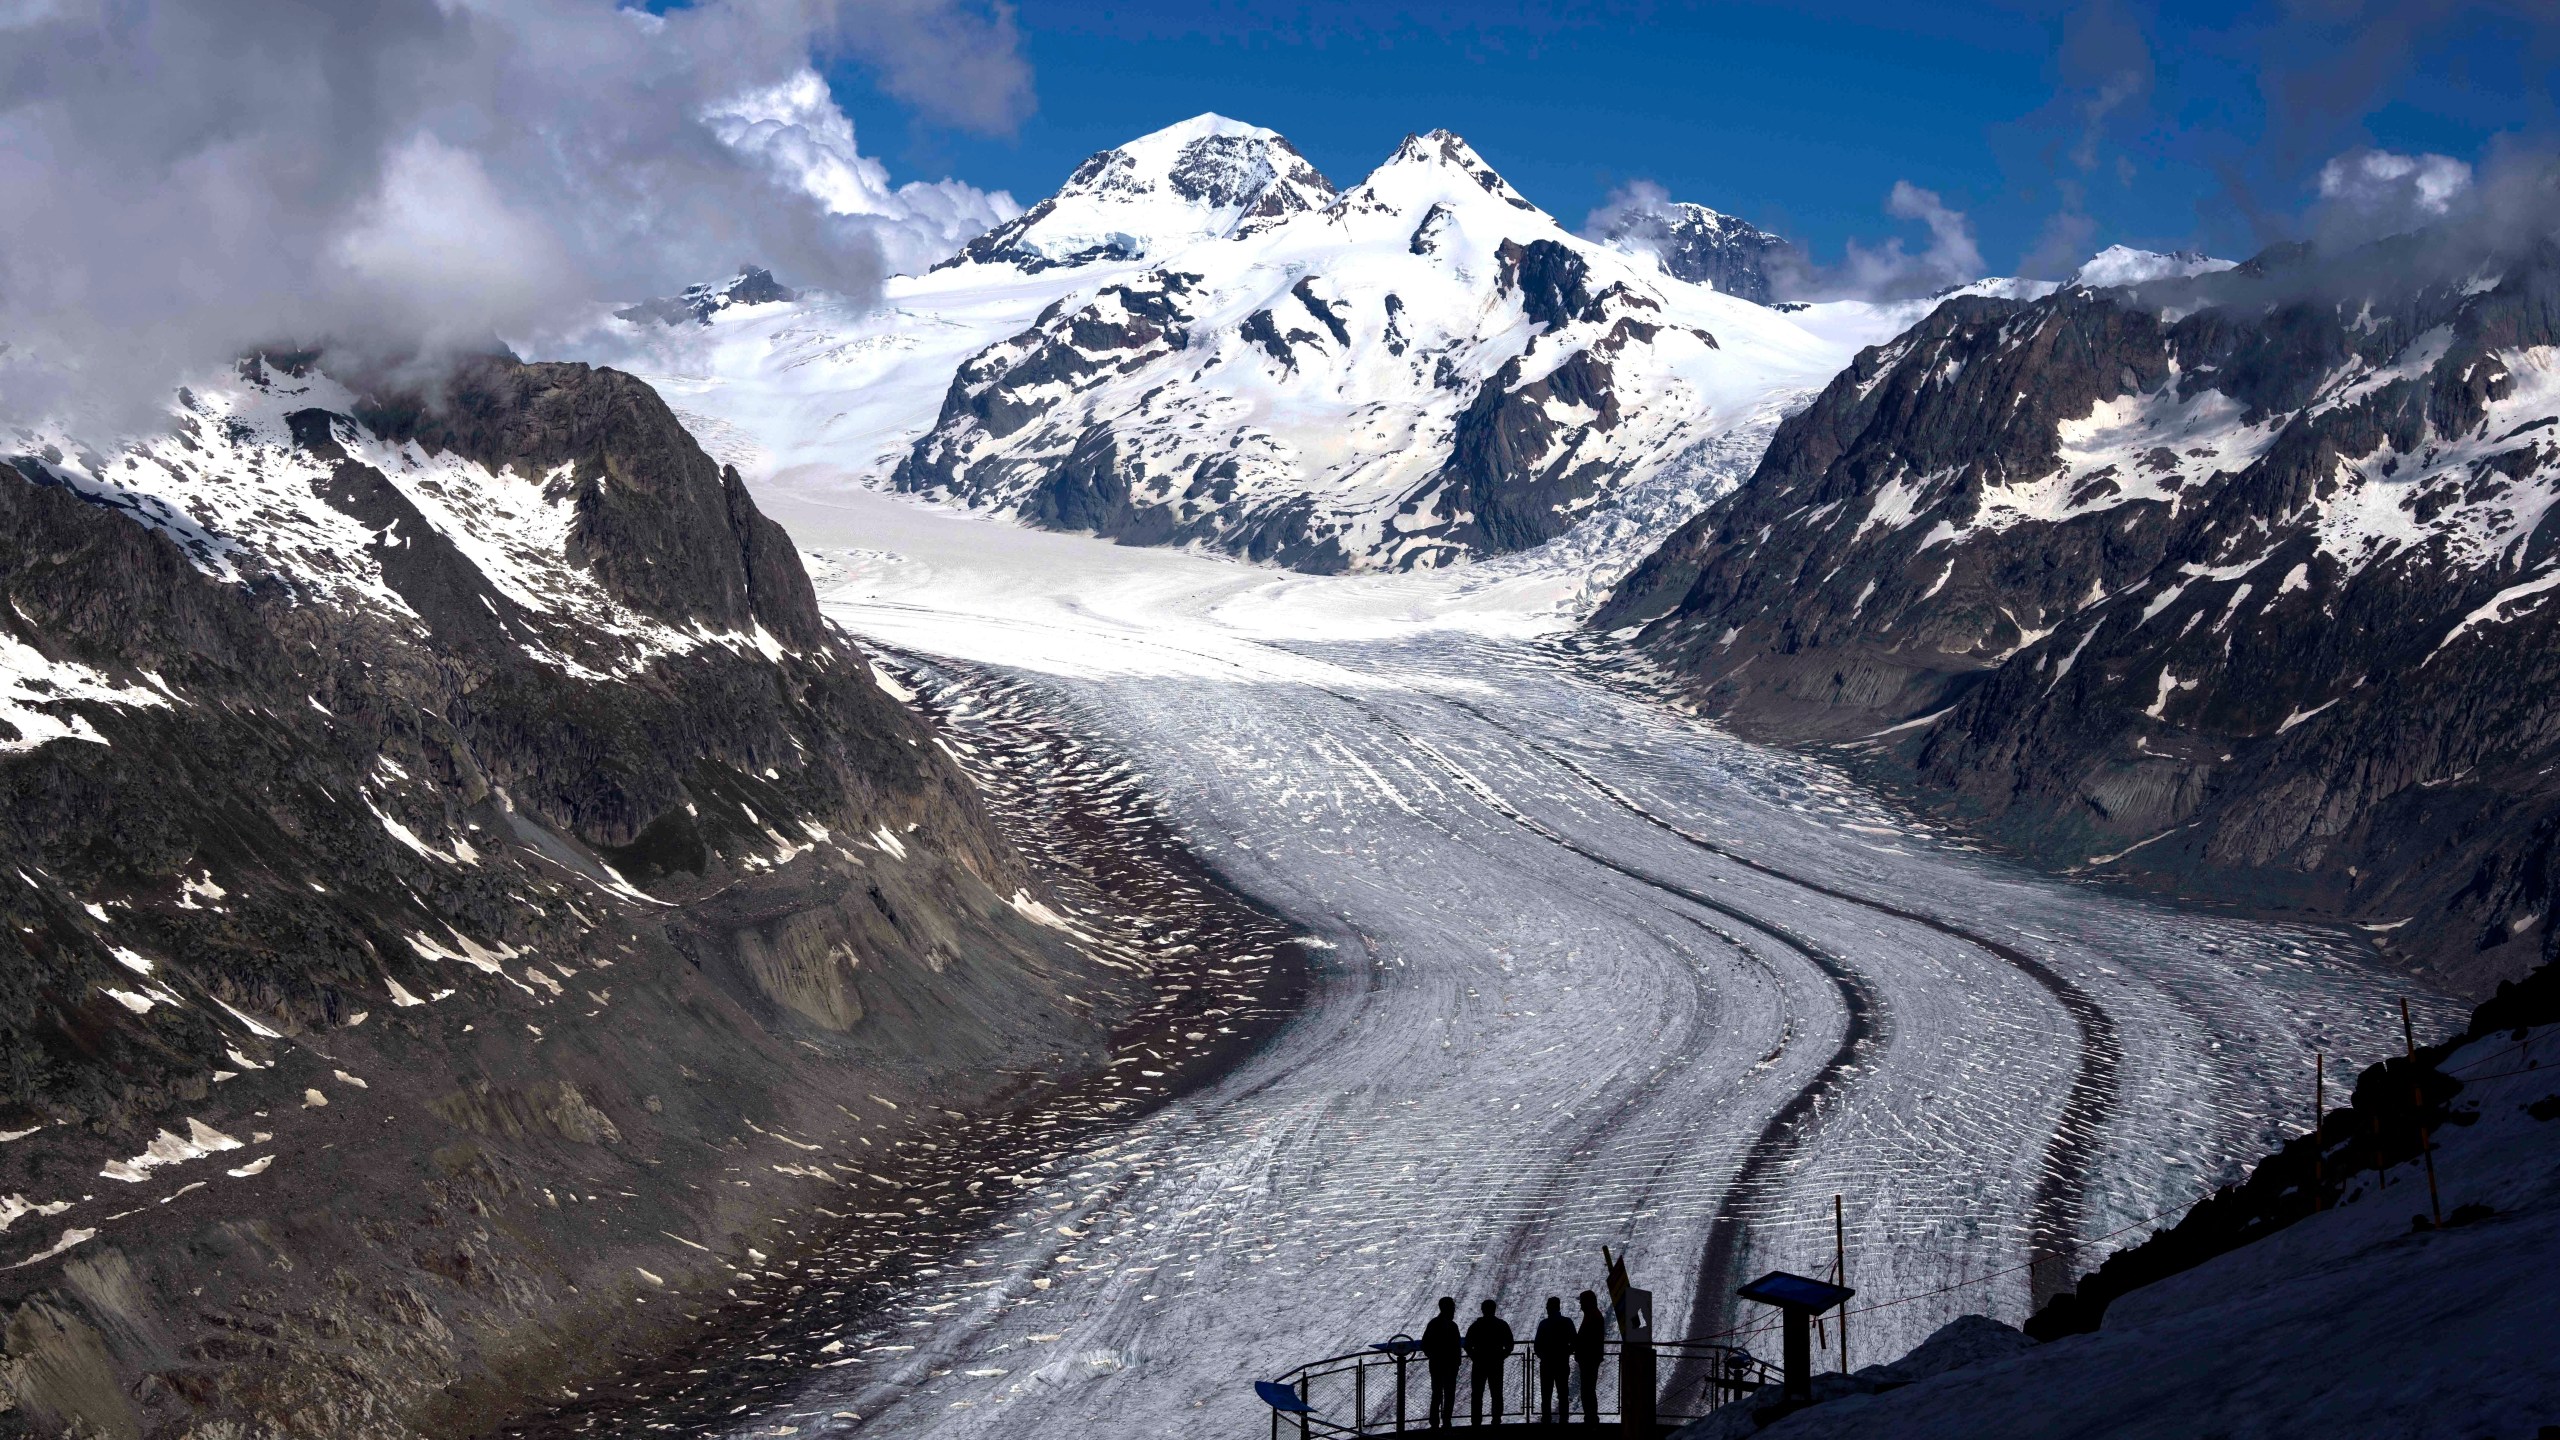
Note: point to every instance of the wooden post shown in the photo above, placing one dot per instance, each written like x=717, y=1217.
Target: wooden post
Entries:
x=2319, y=1112
x=2418, y=1099
x=1639, y=1384
x=1840, y=1274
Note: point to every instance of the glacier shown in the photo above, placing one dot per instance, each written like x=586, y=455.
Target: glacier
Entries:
x=1587, y=972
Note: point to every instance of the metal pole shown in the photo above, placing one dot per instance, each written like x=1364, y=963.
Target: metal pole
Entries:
x=1305, y=1384
x=1840, y=1268
x=2418, y=1099
x=2319, y=1110
x=1359, y=1394
x=1400, y=1364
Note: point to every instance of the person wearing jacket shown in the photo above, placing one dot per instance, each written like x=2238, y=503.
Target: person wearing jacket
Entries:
x=1553, y=1343
x=1489, y=1344
x=1442, y=1346
x=1590, y=1347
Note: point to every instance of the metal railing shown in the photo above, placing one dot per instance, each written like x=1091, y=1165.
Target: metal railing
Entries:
x=1386, y=1389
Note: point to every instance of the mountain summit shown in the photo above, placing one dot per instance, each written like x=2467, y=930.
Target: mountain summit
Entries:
x=1205, y=178
x=2125, y=265
x=698, y=303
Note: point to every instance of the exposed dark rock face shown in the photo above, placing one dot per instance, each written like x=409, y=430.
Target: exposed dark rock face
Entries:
x=446, y=849
x=698, y=303
x=2234, y=584
x=1702, y=246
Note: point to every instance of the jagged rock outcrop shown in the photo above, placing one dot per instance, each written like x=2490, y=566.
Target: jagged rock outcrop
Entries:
x=2234, y=583
x=445, y=846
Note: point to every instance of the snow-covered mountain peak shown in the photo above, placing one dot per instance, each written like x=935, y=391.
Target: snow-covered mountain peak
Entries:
x=1205, y=178
x=1184, y=346
x=1429, y=369
x=2125, y=265
x=1439, y=167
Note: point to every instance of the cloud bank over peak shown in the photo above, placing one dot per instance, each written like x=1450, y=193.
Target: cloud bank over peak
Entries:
x=402, y=178
x=2386, y=191
x=795, y=129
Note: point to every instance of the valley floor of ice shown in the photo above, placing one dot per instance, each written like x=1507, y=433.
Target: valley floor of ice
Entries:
x=1590, y=972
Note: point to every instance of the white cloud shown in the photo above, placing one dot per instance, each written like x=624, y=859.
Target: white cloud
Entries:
x=1636, y=215
x=805, y=140
x=1891, y=271
x=186, y=181
x=2392, y=186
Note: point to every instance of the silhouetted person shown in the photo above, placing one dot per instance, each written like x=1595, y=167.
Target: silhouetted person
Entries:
x=1442, y=1346
x=1489, y=1343
x=1590, y=1347
x=1554, y=1344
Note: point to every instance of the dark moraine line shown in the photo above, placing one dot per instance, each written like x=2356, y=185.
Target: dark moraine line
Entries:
x=1566, y=1179
x=1865, y=1027
x=2057, y=1218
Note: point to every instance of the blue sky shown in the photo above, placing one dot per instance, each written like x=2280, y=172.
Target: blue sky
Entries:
x=2056, y=128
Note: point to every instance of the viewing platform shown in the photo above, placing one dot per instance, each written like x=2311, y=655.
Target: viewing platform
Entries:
x=1385, y=1389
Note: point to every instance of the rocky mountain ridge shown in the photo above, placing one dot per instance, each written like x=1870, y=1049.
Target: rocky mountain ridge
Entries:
x=2231, y=583
x=428, y=819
